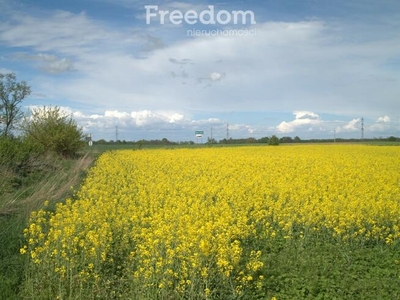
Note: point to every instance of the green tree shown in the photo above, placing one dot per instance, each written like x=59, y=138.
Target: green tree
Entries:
x=11, y=95
x=264, y=140
x=52, y=130
x=296, y=139
x=273, y=141
x=286, y=139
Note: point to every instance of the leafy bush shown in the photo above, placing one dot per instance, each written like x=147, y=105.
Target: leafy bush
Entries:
x=13, y=152
x=52, y=130
x=16, y=157
x=273, y=141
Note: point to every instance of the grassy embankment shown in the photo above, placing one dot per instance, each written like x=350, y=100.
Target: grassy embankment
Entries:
x=23, y=191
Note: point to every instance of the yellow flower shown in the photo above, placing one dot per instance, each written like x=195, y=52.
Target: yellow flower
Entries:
x=178, y=219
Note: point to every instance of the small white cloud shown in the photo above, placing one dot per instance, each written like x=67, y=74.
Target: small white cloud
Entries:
x=352, y=125
x=305, y=115
x=384, y=119
x=216, y=76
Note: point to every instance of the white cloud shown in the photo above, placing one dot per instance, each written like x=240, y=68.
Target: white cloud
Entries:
x=384, y=119
x=353, y=125
x=305, y=120
x=175, y=118
x=305, y=115
x=382, y=124
x=144, y=118
x=116, y=114
x=216, y=76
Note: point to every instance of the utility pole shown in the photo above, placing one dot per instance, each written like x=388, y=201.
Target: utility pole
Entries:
x=334, y=135
x=116, y=134
x=227, y=132
x=211, y=141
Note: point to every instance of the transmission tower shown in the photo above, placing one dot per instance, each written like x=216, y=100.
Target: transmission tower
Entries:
x=362, y=128
x=116, y=133
x=227, y=131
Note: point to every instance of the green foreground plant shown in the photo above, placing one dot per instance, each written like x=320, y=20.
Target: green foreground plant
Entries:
x=49, y=129
x=315, y=267
x=25, y=190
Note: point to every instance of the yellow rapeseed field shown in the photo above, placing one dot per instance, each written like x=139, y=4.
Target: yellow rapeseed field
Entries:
x=187, y=222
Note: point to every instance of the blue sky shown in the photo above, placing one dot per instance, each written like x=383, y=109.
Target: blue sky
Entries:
x=309, y=68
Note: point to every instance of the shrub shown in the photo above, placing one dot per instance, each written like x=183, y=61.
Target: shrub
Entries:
x=15, y=161
x=52, y=130
x=273, y=141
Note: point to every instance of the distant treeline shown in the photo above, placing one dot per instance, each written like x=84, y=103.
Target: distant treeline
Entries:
x=250, y=140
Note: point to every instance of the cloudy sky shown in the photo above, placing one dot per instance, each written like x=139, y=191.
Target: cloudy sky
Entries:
x=307, y=68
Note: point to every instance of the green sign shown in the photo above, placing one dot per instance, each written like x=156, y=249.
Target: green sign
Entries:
x=199, y=132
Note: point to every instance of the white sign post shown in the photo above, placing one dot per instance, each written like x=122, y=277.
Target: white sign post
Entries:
x=199, y=135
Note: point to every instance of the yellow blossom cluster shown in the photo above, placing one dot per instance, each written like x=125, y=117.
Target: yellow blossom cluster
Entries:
x=192, y=220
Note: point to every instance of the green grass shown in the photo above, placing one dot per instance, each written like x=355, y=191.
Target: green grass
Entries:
x=11, y=262
x=325, y=269
x=52, y=182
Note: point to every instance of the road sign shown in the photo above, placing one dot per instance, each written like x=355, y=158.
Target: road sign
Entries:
x=199, y=133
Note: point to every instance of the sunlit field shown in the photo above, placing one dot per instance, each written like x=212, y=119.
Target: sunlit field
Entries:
x=224, y=223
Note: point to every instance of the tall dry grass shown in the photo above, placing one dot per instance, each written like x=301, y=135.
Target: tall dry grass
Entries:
x=51, y=180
